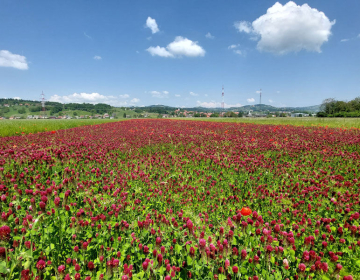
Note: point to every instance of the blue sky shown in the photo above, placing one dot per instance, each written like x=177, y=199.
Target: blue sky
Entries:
x=180, y=53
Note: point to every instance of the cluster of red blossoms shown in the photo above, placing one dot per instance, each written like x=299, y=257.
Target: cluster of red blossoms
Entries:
x=163, y=199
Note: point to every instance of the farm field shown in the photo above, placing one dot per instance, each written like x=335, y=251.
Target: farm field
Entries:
x=305, y=121
x=180, y=199
x=18, y=127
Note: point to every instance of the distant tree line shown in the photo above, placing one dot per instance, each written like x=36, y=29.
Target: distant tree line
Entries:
x=335, y=108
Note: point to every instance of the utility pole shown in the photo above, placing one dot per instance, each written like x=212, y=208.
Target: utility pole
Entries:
x=260, y=96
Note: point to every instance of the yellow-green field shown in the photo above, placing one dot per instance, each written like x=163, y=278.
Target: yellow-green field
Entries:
x=330, y=122
x=18, y=127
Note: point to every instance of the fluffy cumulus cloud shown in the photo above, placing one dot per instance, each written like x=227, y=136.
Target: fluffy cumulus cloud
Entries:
x=179, y=47
x=159, y=94
x=159, y=51
x=250, y=100
x=8, y=59
x=271, y=101
x=289, y=28
x=213, y=104
x=177, y=95
x=82, y=97
x=193, y=93
x=151, y=23
x=94, y=98
x=97, y=57
x=243, y=26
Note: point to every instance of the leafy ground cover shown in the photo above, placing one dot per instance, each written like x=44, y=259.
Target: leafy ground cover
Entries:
x=165, y=199
x=19, y=127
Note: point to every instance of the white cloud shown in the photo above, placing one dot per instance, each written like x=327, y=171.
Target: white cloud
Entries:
x=94, y=98
x=233, y=46
x=206, y=95
x=82, y=97
x=97, y=57
x=209, y=36
x=179, y=47
x=177, y=95
x=183, y=46
x=193, y=93
x=151, y=23
x=250, y=100
x=243, y=26
x=159, y=94
x=235, y=49
x=17, y=98
x=159, y=51
x=271, y=101
x=165, y=92
x=258, y=91
x=350, y=39
x=135, y=100
x=213, y=104
x=289, y=28
x=8, y=59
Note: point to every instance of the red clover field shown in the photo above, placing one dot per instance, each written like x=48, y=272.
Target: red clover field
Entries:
x=172, y=199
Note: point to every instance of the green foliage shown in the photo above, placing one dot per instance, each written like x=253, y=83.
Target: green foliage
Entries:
x=22, y=111
x=335, y=108
x=16, y=127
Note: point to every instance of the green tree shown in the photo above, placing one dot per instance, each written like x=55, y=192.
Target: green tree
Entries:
x=22, y=111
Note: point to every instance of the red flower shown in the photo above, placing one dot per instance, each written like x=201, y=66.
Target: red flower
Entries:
x=25, y=274
x=91, y=265
x=159, y=258
x=41, y=264
x=5, y=233
x=61, y=268
x=235, y=269
x=145, y=265
x=245, y=211
x=302, y=267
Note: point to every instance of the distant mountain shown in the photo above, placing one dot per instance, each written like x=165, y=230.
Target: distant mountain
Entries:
x=264, y=107
x=246, y=108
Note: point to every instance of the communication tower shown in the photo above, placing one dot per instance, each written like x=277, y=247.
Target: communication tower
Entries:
x=43, y=100
x=260, y=96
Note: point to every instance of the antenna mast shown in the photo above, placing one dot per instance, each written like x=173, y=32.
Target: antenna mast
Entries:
x=260, y=96
x=222, y=95
x=43, y=103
